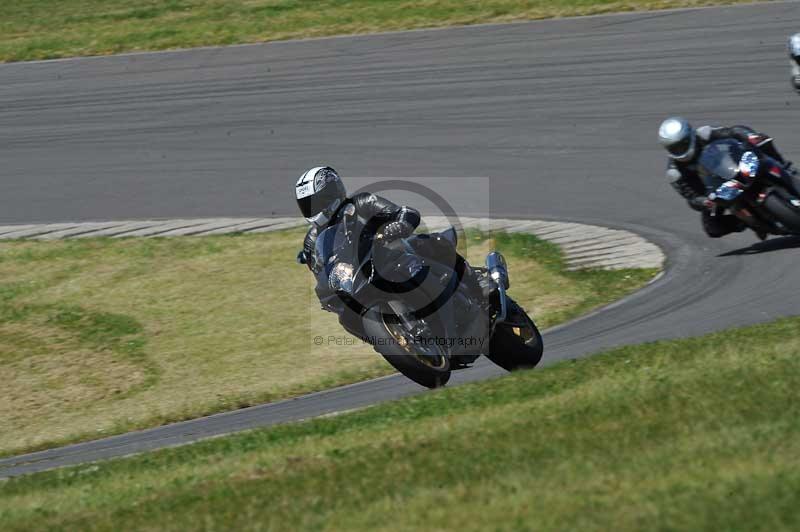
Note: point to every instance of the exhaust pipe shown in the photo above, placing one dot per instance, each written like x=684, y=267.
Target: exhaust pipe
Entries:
x=498, y=272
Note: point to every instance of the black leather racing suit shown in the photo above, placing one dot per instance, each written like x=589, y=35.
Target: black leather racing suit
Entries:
x=684, y=177
x=376, y=214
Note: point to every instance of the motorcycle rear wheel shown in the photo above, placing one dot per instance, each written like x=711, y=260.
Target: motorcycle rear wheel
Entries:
x=426, y=364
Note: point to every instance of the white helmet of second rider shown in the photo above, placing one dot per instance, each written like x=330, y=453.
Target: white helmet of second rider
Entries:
x=678, y=137
x=794, y=47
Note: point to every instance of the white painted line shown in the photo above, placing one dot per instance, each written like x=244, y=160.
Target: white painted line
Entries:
x=121, y=227
x=5, y=229
x=620, y=254
x=577, y=235
x=244, y=226
x=600, y=242
x=159, y=228
x=520, y=226
x=523, y=227
x=219, y=224
x=278, y=227
x=36, y=230
x=620, y=263
x=640, y=247
x=82, y=229
x=543, y=228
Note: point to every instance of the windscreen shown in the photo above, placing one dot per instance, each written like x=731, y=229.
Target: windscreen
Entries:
x=328, y=243
x=719, y=162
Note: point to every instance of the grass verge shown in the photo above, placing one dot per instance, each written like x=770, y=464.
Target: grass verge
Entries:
x=45, y=29
x=102, y=336
x=697, y=434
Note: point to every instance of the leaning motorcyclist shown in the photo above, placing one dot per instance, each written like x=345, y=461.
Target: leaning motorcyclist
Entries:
x=323, y=200
x=685, y=144
x=794, y=54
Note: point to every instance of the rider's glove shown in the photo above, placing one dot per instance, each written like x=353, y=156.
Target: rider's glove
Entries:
x=394, y=230
x=758, y=140
x=698, y=203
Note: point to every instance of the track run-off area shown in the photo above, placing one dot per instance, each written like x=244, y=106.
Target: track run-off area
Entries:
x=560, y=115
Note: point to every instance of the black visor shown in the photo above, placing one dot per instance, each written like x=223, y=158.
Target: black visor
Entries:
x=681, y=147
x=314, y=204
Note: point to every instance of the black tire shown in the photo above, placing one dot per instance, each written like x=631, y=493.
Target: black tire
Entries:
x=512, y=347
x=428, y=366
x=788, y=215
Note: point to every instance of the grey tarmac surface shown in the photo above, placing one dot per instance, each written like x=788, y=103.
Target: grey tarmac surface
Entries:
x=560, y=114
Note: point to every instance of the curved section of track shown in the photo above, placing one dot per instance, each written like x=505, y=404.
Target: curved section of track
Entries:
x=561, y=115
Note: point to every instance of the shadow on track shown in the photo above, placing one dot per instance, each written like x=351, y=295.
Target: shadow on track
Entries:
x=776, y=244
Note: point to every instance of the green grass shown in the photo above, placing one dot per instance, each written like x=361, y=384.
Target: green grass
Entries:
x=696, y=434
x=44, y=29
x=102, y=336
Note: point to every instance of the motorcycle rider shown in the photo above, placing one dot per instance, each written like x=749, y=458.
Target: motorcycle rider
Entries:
x=794, y=54
x=685, y=144
x=322, y=199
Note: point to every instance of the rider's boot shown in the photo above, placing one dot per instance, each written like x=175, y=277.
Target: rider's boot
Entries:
x=490, y=291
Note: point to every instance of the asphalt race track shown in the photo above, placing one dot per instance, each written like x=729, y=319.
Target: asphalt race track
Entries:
x=562, y=115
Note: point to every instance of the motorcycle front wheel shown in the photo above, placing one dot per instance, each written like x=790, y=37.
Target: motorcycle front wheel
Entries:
x=422, y=360
x=787, y=214
x=516, y=344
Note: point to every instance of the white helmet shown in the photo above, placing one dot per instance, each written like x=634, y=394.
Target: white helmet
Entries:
x=678, y=138
x=319, y=193
x=794, y=46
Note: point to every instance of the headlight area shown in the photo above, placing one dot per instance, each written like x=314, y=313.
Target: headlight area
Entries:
x=340, y=278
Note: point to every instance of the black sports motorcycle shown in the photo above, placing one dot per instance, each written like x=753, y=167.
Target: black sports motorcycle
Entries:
x=407, y=299
x=759, y=190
